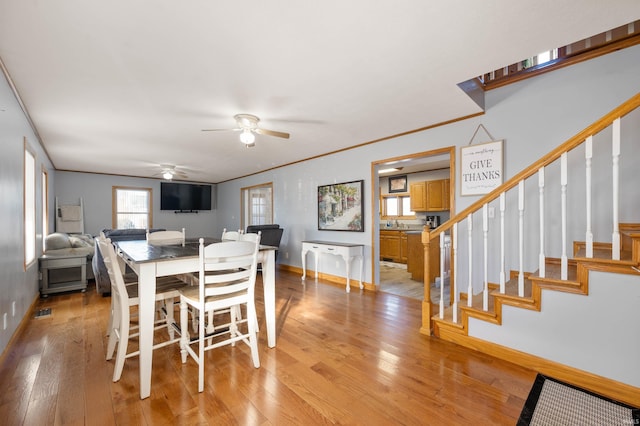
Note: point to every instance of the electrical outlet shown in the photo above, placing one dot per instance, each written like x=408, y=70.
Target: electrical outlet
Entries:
x=286, y=254
x=4, y=321
x=13, y=308
x=492, y=212
x=337, y=263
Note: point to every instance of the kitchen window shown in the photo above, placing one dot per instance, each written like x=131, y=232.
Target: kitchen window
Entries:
x=396, y=206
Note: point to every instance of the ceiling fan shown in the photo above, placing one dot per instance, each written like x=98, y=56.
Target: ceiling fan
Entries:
x=248, y=125
x=168, y=172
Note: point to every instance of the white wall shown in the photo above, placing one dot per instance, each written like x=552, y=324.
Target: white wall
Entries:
x=16, y=284
x=96, y=190
x=532, y=116
x=569, y=329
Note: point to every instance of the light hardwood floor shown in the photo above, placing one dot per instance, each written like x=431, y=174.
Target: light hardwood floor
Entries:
x=340, y=358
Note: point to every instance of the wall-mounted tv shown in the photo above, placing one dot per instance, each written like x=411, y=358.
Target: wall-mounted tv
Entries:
x=184, y=196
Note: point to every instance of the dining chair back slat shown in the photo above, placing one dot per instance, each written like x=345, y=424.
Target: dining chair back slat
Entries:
x=227, y=276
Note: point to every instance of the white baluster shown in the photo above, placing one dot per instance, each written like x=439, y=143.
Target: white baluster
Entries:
x=541, y=257
x=454, y=268
x=502, y=272
x=443, y=250
x=564, y=262
x=521, y=238
x=588, y=155
x=615, y=153
x=485, y=239
x=470, y=256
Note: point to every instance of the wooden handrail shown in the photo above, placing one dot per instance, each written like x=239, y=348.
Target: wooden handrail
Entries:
x=599, y=125
x=428, y=309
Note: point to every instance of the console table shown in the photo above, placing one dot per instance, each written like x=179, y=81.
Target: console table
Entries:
x=346, y=250
x=48, y=263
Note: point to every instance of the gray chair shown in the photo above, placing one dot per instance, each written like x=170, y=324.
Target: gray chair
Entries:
x=103, y=283
x=270, y=234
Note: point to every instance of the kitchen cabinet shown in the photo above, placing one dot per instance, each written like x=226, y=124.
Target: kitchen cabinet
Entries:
x=393, y=246
x=430, y=196
x=415, y=261
x=403, y=247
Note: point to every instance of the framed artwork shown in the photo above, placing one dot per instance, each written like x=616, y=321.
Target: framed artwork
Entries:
x=340, y=207
x=480, y=168
x=398, y=184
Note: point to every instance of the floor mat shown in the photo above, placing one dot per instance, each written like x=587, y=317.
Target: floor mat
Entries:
x=552, y=402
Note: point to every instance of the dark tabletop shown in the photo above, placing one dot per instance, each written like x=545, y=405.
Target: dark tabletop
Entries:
x=140, y=251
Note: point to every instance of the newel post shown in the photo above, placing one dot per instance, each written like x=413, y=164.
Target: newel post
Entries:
x=427, y=307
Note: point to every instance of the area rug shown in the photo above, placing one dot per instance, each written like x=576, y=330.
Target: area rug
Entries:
x=552, y=402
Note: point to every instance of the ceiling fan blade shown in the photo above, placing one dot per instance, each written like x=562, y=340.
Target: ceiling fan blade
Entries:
x=221, y=130
x=272, y=133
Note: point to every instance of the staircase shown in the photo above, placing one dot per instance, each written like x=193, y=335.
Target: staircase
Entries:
x=575, y=191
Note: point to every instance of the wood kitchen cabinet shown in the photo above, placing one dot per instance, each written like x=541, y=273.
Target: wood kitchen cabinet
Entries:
x=430, y=196
x=416, y=259
x=404, y=249
x=393, y=246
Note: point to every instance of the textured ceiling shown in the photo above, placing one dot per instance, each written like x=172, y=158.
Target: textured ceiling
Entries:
x=121, y=87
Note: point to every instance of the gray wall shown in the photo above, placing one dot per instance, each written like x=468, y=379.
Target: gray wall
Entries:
x=533, y=117
x=17, y=285
x=96, y=190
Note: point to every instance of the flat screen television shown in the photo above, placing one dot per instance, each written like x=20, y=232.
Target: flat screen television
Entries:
x=184, y=196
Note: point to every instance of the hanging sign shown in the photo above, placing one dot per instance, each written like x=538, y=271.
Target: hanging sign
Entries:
x=481, y=168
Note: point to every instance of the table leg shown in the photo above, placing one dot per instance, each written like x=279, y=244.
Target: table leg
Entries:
x=304, y=267
x=347, y=261
x=361, y=270
x=269, y=284
x=147, y=291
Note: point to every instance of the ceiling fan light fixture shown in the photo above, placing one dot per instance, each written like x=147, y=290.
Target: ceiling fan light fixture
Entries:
x=247, y=137
x=167, y=175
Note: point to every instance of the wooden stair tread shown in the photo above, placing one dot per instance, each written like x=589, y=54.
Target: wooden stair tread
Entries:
x=601, y=254
x=553, y=272
x=552, y=280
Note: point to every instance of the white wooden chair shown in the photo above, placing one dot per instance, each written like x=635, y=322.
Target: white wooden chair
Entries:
x=166, y=237
x=231, y=235
x=238, y=236
x=123, y=298
x=227, y=278
x=250, y=236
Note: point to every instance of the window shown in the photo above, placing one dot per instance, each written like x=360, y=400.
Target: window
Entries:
x=29, y=205
x=45, y=205
x=132, y=208
x=396, y=207
x=257, y=205
x=544, y=57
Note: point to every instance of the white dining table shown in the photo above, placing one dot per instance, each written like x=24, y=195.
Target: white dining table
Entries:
x=150, y=261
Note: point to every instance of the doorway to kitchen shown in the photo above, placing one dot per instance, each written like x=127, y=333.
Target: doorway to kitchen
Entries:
x=397, y=250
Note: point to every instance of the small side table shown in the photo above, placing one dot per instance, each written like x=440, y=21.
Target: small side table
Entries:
x=48, y=263
x=347, y=251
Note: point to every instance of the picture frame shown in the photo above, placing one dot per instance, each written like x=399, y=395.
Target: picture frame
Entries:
x=397, y=184
x=481, y=168
x=341, y=207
